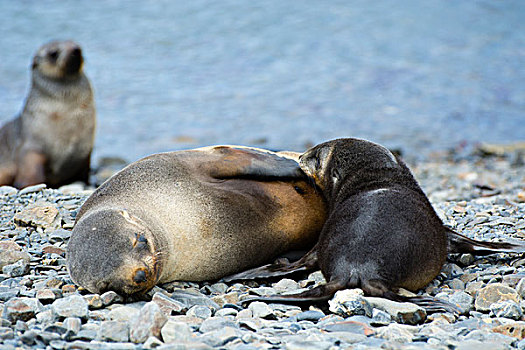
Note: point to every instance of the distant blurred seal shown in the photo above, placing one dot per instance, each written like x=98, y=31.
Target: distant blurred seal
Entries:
x=192, y=215
x=52, y=139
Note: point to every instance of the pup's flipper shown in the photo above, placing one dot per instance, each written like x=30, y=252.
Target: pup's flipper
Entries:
x=458, y=243
x=307, y=263
x=326, y=291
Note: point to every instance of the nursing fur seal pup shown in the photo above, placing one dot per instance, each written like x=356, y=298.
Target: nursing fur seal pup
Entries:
x=192, y=215
x=52, y=139
x=381, y=233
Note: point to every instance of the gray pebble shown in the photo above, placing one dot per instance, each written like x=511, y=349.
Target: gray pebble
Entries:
x=214, y=323
x=147, y=323
x=32, y=189
x=72, y=325
x=261, y=310
x=189, y=298
x=110, y=297
x=380, y=318
x=85, y=335
x=310, y=315
x=350, y=302
x=6, y=333
x=21, y=309
x=285, y=285
x=116, y=331
x=508, y=309
x=494, y=293
x=46, y=317
x=123, y=313
x=220, y=337
x=174, y=331
x=199, y=311
x=462, y=300
x=168, y=305
x=71, y=306
x=226, y=312
x=17, y=269
x=406, y=313
x=8, y=191
x=307, y=345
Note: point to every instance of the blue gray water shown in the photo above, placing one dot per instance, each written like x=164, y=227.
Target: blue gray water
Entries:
x=417, y=75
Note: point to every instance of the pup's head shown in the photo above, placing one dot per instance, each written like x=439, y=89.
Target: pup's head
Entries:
x=331, y=162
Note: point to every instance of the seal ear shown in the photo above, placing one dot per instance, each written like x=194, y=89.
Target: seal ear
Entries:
x=36, y=61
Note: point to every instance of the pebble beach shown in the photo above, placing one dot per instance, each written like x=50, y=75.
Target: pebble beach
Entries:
x=481, y=196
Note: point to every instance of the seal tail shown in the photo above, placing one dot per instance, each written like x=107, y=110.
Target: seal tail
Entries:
x=430, y=304
x=307, y=263
x=458, y=243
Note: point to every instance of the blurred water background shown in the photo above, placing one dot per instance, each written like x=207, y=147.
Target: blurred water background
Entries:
x=415, y=75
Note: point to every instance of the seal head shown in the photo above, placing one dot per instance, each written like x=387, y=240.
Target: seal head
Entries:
x=117, y=251
x=58, y=60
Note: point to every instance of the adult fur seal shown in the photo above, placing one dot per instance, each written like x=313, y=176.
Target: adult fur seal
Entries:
x=52, y=139
x=192, y=215
x=381, y=233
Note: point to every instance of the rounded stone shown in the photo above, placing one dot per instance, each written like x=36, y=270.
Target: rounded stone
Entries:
x=71, y=306
x=199, y=311
x=116, y=331
x=147, y=323
x=175, y=331
x=494, y=293
x=261, y=310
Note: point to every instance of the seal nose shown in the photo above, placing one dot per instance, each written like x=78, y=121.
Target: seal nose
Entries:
x=140, y=277
x=74, y=60
x=76, y=52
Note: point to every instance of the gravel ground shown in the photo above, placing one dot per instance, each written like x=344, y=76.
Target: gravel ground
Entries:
x=481, y=197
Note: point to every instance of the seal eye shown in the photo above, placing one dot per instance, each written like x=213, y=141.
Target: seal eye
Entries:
x=140, y=241
x=53, y=55
x=299, y=190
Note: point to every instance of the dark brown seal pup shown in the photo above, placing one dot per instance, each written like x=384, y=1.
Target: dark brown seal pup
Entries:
x=381, y=233
x=192, y=215
x=52, y=139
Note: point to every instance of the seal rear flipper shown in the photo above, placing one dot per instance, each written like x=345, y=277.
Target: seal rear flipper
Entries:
x=458, y=243
x=306, y=263
x=430, y=304
x=248, y=163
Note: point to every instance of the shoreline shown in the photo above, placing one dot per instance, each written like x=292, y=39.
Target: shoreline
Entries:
x=480, y=197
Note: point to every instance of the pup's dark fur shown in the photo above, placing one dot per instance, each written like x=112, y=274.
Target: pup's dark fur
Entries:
x=381, y=234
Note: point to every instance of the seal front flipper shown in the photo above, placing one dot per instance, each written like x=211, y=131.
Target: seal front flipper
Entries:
x=458, y=243
x=306, y=263
x=31, y=169
x=317, y=294
x=251, y=163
